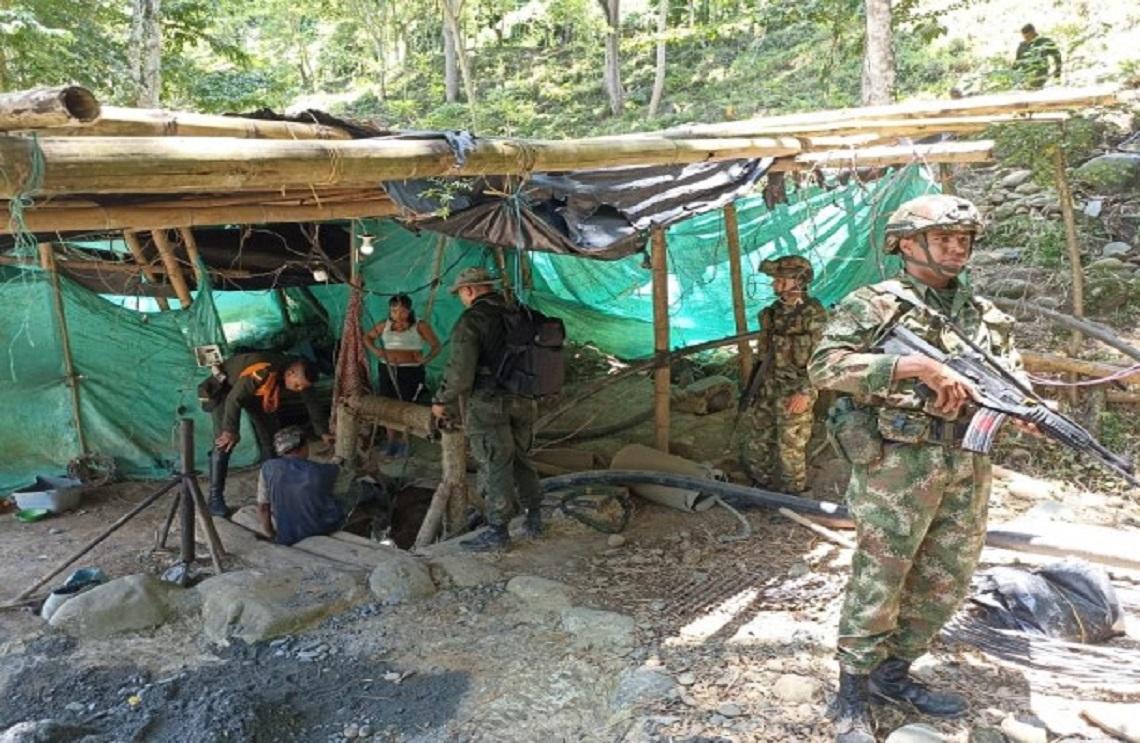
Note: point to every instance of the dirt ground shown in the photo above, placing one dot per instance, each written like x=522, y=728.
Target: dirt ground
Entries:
x=729, y=621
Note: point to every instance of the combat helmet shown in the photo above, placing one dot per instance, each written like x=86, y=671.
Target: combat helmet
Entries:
x=933, y=211
x=789, y=267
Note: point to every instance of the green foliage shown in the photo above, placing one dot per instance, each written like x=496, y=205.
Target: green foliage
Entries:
x=1042, y=241
x=1032, y=147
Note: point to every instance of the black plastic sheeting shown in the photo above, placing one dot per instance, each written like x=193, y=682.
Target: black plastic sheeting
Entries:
x=1069, y=600
x=596, y=213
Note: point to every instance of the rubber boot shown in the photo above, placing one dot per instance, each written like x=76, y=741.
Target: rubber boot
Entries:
x=494, y=539
x=892, y=682
x=532, y=525
x=219, y=467
x=851, y=712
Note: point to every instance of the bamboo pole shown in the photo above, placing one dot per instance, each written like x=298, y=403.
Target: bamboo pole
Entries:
x=436, y=268
x=117, y=121
x=120, y=267
x=146, y=218
x=894, y=128
x=736, y=276
x=173, y=271
x=191, y=245
x=183, y=164
x=1072, y=243
x=946, y=178
x=47, y=107
x=661, y=383
x=71, y=378
x=504, y=275
x=133, y=245
x=1051, y=99
x=944, y=152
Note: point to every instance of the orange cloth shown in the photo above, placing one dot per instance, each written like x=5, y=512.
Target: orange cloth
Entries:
x=269, y=389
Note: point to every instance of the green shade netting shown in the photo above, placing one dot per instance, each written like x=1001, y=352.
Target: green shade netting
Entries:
x=138, y=374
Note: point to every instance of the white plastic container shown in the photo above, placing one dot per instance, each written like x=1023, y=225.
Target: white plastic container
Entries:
x=57, y=494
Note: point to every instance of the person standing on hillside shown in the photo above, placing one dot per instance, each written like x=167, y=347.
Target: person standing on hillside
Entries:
x=773, y=446
x=1032, y=59
x=917, y=498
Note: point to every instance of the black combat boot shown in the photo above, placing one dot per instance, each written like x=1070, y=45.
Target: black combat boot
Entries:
x=532, y=526
x=494, y=539
x=892, y=682
x=851, y=711
x=219, y=468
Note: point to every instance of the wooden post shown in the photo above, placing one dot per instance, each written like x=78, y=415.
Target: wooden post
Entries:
x=173, y=270
x=504, y=277
x=191, y=244
x=47, y=262
x=133, y=244
x=946, y=177
x=660, y=338
x=436, y=267
x=450, y=495
x=1074, y=250
x=732, y=233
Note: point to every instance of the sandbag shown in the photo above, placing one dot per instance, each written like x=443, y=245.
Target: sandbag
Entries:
x=1069, y=600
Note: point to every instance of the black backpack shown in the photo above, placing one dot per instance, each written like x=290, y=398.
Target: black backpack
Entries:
x=531, y=364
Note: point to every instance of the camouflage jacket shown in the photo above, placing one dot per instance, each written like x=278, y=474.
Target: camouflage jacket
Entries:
x=845, y=361
x=789, y=334
x=476, y=345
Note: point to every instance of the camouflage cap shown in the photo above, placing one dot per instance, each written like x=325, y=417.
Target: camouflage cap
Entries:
x=473, y=276
x=788, y=267
x=288, y=439
x=933, y=211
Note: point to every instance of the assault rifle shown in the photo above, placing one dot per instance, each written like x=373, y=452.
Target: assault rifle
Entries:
x=755, y=382
x=1002, y=395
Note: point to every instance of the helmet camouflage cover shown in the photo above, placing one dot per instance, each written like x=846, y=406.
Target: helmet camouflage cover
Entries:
x=933, y=211
x=788, y=267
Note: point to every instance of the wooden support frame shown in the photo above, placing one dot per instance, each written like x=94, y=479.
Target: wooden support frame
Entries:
x=71, y=378
x=736, y=276
x=661, y=376
x=191, y=244
x=173, y=270
x=133, y=245
x=1073, y=248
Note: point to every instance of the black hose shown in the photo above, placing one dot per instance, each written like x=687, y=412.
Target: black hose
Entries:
x=831, y=512
x=597, y=432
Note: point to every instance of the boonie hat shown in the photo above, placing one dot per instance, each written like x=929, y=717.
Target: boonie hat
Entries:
x=473, y=276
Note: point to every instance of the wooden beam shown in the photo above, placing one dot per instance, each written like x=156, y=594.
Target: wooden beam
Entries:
x=1072, y=243
x=183, y=164
x=736, y=276
x=133, y=245
x=114, y=218
x=894, y=128
x=1050, y=99
x=944, y=152
x=661, y=375
x=173, y=271
x=191, y=245
x=44, y=107
x=1053, y=364
x=120, y=267
x=71, y=378
x=117, y=121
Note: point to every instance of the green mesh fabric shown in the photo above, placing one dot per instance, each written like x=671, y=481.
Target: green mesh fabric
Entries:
x=137, y=369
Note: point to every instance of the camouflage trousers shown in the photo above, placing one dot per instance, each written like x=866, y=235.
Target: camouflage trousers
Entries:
x=920, y=519
x=773, y=444
x=501, y=431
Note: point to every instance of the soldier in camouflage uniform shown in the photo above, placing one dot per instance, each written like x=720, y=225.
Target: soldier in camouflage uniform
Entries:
x=918, y=500
x=777, y=427
x=499, y=425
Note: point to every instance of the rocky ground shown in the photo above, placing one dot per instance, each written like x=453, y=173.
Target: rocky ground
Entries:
x=670, y=631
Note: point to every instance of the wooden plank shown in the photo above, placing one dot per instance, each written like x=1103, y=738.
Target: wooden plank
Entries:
x=661, y=375
x=119, y=121
x=736, y=276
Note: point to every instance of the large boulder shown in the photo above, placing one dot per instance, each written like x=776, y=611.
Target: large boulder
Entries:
x=463, y=570
x=400, y=577
x=539, y=593
x=133, y=602
x=1114, y=173
x=51, y=731
x=255, y=605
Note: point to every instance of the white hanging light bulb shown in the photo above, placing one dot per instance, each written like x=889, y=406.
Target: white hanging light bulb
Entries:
x=320, y=274
x=366, y=246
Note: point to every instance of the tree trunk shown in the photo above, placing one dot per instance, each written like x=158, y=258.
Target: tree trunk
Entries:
x=612, y=10
x=878, y=57
x=146, y=52
x=450, y=67
x=451, y=12
x=659, y=73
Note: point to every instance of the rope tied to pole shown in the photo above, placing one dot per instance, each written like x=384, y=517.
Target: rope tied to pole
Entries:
x=23, y=200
